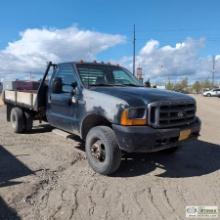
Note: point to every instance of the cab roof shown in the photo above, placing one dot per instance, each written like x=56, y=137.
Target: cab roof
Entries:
x=91, y=63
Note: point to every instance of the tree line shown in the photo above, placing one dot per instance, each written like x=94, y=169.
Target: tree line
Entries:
x=184, y=86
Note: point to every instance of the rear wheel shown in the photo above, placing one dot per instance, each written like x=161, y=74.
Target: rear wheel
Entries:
x=28, y=121
x=102, y=151
x=17, y=120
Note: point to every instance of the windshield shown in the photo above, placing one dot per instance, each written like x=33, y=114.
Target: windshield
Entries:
x=103, y=75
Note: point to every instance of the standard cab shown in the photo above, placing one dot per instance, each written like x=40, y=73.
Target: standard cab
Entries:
x=108, y=108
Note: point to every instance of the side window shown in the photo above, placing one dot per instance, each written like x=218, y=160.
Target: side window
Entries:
x=66, y=73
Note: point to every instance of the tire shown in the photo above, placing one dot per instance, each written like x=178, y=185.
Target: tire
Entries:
x=102, y=151
x=171, y=150
x=209, y=95
x=17, y=120
x=28, y=121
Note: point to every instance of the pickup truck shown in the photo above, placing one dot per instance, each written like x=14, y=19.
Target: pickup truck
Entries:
x=108, y=108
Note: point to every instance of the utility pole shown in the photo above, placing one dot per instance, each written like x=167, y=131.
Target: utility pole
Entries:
x=213, y=71
x=134, y=50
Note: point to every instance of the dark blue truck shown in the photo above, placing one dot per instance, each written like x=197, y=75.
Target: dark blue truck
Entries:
x=108, y=108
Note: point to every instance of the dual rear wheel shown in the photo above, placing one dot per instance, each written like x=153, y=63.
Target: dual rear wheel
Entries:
x=21, y=120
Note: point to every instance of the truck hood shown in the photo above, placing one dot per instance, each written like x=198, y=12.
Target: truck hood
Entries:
x=137, y=96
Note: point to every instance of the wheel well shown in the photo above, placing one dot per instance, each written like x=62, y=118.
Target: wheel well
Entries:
x=93, y=121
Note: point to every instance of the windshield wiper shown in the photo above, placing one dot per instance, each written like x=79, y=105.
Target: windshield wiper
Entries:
x=102, y=84
x=110, y=84
x=131, y=84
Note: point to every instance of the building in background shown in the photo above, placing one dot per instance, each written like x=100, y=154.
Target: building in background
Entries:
x=21, y=85
x=139, y=74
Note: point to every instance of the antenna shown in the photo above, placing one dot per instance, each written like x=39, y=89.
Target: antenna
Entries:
x=134, y=50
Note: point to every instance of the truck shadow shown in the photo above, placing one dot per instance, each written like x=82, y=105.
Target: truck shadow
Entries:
x=11, y=168
x=195, y=158
x=6, y=212
x=41, y=128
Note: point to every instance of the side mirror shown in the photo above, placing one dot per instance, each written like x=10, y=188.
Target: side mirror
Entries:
x=74, y=84
x=57, y=85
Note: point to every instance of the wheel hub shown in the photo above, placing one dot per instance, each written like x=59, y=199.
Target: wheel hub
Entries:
x=98, y=151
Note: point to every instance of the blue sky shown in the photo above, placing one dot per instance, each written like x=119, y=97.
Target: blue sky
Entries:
x=168, y=22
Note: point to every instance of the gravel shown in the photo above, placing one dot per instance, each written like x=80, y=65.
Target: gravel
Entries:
x=45, y=176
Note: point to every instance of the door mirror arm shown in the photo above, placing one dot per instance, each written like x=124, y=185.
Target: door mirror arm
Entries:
x=74, y=86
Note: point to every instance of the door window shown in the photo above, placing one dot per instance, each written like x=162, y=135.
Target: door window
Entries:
x=66, y=73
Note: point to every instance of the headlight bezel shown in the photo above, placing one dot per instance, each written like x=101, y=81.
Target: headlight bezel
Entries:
x=134, y=116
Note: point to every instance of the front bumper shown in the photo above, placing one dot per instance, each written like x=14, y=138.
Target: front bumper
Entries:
x=148, y=139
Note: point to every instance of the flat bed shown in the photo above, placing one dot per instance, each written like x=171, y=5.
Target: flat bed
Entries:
x=25, y=99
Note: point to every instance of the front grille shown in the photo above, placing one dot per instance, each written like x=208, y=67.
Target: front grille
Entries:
x=171, y=114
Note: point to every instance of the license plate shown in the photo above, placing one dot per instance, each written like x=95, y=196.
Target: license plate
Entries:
x=184, y=134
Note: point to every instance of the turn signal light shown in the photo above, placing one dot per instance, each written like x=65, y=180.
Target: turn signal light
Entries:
x=126, y=121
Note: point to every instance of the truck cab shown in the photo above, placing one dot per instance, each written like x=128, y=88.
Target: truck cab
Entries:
x=110, y=110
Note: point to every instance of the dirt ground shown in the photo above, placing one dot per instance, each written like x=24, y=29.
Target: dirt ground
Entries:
x=1, y=102
x=44, y=176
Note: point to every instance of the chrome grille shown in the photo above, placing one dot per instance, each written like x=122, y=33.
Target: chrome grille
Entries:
x=171, y=114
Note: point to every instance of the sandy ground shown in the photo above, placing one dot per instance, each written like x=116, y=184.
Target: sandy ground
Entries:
x=1, y=102
x=44, y=176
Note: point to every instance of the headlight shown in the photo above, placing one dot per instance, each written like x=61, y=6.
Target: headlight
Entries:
x=134, y=116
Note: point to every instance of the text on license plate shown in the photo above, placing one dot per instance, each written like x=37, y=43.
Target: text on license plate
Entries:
x=184, y=134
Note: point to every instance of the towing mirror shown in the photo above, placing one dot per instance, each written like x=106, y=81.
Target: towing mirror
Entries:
x=57, y=85
x=74, y=84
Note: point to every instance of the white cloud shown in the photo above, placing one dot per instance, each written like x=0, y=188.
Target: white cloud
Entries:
x=149, y=47
x=175, y=62
x=37, y=46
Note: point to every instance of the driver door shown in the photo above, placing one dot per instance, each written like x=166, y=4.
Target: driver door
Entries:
x=62, y=112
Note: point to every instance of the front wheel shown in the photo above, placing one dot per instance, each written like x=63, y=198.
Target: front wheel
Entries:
x=102, y=151
x=209, y=95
